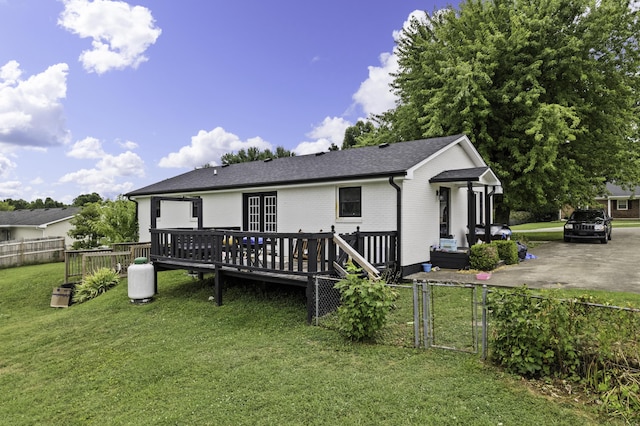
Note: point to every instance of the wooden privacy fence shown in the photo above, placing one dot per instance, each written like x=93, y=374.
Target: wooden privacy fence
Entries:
x=29, y=251
x=79, y=263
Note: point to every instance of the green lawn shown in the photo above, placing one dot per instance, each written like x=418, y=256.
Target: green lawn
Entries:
x=252, y=361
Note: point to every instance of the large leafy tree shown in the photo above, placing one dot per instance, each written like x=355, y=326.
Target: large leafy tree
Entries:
x=103, y=223
x=85, y=227
x=547, y=90
x=118, y=222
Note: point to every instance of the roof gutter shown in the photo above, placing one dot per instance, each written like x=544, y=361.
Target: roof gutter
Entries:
x=398, y=222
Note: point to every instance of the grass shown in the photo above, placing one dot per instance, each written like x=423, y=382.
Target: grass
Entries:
x=254, y=360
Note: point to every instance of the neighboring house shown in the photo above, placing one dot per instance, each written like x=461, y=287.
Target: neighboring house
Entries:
x=425, y=190
x=621, y=203
x=37, y=223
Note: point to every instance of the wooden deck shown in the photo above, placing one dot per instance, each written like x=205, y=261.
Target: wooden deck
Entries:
x=287, y=258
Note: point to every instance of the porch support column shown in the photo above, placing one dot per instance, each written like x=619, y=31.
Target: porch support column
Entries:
x=487, y=214
x=471, y=213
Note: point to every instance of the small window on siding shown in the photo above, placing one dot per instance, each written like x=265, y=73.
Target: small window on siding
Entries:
x=194, y=209
x=623, y=204
x=350, y=201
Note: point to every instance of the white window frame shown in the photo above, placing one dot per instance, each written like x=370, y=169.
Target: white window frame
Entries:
x=622, y=204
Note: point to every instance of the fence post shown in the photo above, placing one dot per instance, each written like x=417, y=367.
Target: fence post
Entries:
x=484, y=321
x=317, y=296
x=416, y=315
x=426, y=302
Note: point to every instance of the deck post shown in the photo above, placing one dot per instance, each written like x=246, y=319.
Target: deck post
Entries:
x=218, y=286
x=310, y=301
x=155, y=278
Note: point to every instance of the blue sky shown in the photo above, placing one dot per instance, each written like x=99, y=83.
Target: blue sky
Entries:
x=109, y=96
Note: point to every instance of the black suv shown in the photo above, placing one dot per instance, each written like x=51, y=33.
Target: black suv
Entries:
x=588, y=224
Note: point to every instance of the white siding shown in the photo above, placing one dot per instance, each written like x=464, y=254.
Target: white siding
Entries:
x=58, y=229
x=421, y=223
x=307, y=208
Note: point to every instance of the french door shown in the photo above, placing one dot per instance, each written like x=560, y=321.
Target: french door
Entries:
x=260, y=212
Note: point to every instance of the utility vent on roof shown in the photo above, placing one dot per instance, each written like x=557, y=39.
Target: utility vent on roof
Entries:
x=225, y=165
x=318, y=154
x=383, y=145
x=266, y=160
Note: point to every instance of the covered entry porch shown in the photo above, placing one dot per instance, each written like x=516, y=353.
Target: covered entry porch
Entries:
x=481, y=186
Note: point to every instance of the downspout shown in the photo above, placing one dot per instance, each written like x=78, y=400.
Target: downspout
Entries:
x=398, y=223
x=137, y=212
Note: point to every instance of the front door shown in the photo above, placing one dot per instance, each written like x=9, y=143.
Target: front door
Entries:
x=445, y=222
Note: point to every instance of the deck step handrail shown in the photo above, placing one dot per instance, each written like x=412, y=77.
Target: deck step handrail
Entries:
x=357, y=257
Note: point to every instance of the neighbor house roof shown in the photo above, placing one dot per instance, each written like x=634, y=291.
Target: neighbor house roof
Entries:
x=356, y=163
x=36, y=217
x=615, y=191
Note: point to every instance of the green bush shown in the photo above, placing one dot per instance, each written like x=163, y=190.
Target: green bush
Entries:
x=507, y=251
x=364, y=305
x=484, y=257
x=579, y=339
x=95, y=284
x=534, y=337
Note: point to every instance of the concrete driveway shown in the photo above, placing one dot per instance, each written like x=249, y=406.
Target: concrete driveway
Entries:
x=585, y=264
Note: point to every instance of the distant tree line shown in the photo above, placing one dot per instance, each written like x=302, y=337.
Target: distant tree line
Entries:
x=10, y=204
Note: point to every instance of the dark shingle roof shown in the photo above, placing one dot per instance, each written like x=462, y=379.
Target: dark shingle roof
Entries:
x=371, y=161
x=36, y=217
x=472, y=174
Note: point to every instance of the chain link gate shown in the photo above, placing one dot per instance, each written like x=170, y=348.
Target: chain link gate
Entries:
x=454, y=316
x=428, y=314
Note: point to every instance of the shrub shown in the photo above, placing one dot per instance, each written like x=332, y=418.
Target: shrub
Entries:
x=579, y=339
x=95, y=284
x=534, y=337
x=364, y=305
x=507, y=251
x=484, y=257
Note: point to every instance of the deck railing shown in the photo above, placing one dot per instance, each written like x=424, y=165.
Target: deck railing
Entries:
x=297, y=253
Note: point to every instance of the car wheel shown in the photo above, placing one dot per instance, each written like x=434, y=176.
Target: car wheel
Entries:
x=609, y=236
x=604, y=240
x=567, y=239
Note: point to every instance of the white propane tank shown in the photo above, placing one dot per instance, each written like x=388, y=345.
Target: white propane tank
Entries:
x=140, y=278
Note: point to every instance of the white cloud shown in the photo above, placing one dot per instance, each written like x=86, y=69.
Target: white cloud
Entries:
x=375, y=95
x=104, y=177
x=120, y=33
x=9, y=73
x=86, y=148
x=30, y=110
x=6, y=165
x=37, y=181
x=128, y=145
x=208, y=147
x=330, y=131
x=11, y=189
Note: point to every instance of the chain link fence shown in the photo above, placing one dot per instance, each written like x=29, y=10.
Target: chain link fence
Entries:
x=451, y=315
x=425, y=314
